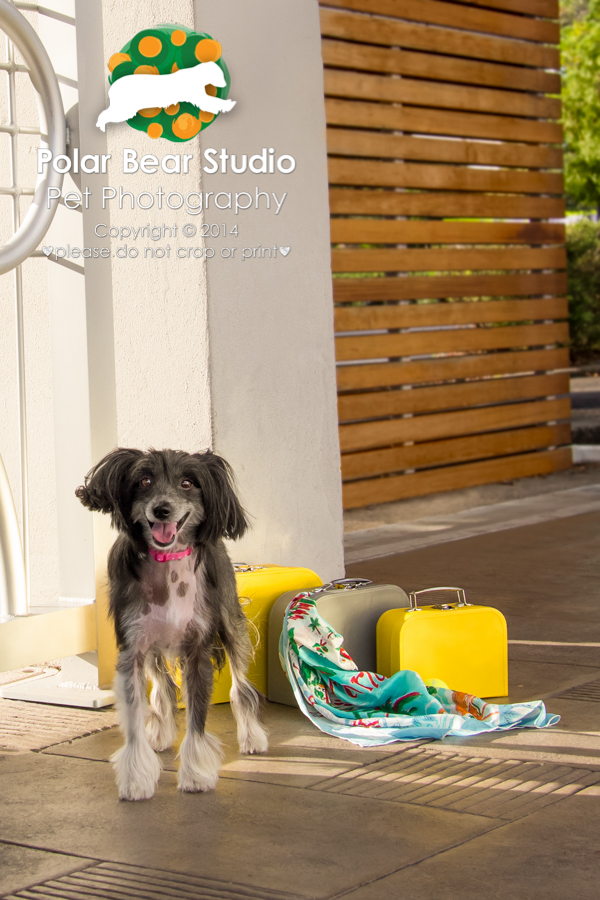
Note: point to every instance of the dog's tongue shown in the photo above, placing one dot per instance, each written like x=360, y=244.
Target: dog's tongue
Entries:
x=164, y=532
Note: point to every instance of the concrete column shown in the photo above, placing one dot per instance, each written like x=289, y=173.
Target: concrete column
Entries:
x=234, y=354
x=271, y=318
x=159, y=304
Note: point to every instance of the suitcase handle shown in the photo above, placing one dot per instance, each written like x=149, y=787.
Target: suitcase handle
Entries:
x=246, y=567
x=342, y=584
x=462, y=600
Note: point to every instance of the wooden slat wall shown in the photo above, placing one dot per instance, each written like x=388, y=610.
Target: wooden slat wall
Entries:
x=449, y=273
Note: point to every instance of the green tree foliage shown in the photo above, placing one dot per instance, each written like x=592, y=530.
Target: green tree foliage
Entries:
x=583, y=270
x=580, y=55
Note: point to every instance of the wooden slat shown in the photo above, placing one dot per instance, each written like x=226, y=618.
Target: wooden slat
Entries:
x=356, y=290
x=435, y=13
x=443, y=453
x=436, y=426
x=477, y=70
x=383, y=89
x=428, y=315
x=450, y=69
x=420, y=120
x=376, y=404
x=428, y=371
x=351, y=142
x=447, y=260
x=389, y=33
x=441, y=178
x=449, y=478
x=347, y=201
x=548, y=9
x=416, y=343
x=385, y=231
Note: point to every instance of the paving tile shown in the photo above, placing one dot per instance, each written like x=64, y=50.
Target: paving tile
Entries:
x=548, y=744
x=588, y=692
x=24, y=866
x=299, y=755
x=537, y=680
x=561, y=653
x=546, y=574
x=487, y=786
x=307, y=842
x=551, y=854
x=523, y=626
x=115, y=881
x=575, y=715
x=434, y=530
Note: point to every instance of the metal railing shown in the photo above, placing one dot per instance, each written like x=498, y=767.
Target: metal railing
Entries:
x=14, y=562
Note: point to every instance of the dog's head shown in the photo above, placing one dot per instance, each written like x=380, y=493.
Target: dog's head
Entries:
x=166, y=497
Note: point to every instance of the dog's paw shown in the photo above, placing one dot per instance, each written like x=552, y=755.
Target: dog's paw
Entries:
x=161, y=732
x=254, y=739
x=200, y=756
x=193, y=784
x=137, y=770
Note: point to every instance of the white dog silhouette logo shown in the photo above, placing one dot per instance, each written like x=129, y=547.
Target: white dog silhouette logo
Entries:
x=169, y=82
x=134, y=92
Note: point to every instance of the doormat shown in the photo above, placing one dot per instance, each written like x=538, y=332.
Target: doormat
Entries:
x=35, y=726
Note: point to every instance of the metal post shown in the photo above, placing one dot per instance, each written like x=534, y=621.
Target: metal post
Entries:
x=16, y=199
x=13, y=591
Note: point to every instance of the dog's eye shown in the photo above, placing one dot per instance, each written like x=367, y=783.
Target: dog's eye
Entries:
x=146, y=482
x=186, y=484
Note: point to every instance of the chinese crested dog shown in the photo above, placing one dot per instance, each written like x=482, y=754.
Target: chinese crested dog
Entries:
x=173, y=595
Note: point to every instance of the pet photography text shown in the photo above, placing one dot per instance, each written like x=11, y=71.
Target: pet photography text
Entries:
x=194, y=202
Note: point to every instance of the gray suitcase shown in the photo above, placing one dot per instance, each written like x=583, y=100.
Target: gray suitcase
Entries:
x=352, y=606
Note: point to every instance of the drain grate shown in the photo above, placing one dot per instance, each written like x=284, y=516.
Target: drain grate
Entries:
x=124, y=882
x=589, y=692
x=33, y=726
x=498, y=788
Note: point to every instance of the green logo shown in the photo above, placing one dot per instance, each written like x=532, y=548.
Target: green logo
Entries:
x=175, y=108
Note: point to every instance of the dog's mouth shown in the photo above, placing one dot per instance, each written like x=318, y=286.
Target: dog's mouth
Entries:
x=164, y=533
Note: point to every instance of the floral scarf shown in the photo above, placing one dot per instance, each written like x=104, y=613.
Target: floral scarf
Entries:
x=370, y=709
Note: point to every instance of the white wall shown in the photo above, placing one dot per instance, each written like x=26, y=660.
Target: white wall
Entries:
x=161, y=341
x=143, y=352
x=271, y=319
x=67, y=314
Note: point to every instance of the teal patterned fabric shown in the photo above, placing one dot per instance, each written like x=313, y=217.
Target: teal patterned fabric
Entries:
x=369, y=709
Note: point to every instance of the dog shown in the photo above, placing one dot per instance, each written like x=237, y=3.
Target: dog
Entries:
x=173, y=595
x=134, y=92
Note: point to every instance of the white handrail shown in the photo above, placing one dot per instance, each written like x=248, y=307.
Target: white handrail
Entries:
x=53, y=132
x=28, y=235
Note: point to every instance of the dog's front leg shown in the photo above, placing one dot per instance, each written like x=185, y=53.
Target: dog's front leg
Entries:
x=200, y=753
x=161, y=727
x=136, y=765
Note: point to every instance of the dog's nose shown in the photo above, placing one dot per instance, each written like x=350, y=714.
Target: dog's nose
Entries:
x=162, y=512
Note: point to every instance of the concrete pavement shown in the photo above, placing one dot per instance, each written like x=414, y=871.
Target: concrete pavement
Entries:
x=509, y=815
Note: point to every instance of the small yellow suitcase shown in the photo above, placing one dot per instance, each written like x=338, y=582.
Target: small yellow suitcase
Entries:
x=459, y=643
x=258, y=589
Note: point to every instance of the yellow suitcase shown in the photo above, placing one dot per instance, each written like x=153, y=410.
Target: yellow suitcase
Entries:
x=258, y=588
x=461, y=644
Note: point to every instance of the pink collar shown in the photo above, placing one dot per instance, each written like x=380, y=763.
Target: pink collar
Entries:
x=167, y=557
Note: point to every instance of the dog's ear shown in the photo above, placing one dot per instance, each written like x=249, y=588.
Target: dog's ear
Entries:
x=223, y=514
x=106, y=488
